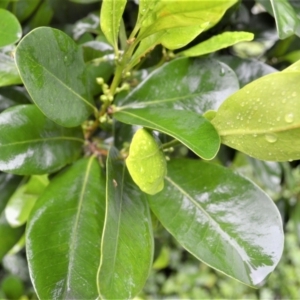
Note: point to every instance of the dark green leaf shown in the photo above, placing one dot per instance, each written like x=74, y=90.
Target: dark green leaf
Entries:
x=263, y=118
x=189, y=84
x=220, y=217
x=64, y=233
x=23, y=9
x=9, y=74
x=32, y=144
x=10, y=28
x=42, y=16
x=4, y=3
x=190, y=128
x=11, y=96
x=59, y=86
x=127, y=242
x=247, y=70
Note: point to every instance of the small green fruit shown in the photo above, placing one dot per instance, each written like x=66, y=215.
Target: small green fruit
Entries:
x=146, y=162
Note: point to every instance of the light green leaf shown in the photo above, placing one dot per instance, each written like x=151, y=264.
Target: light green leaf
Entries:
x=190, y=128
x=263, y=118
x=10, y=28
x=32, y=144
x=182, y=21
x=59, y=87
x=9, y=74
x=64, y=233
x=127, y=242
x=110, y=19
x=221, y=218
x=218, y=42
x=22, y=201
x=146, y=162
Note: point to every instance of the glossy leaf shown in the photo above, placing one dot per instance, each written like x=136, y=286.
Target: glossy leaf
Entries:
x=146, y=162
x=32, y=144
x=218, y=42
x=181, y=21
x=110, y=19
x=22, y=201
x=10, y=28
x=11, y=96
x=64, y=233
x=221, y=218
x=9, y=74
x=190, y=128
x=59, y=86
x=287, y=21
x=197, y=85
x=127, y=242
x=247, y=70
x=263, y=118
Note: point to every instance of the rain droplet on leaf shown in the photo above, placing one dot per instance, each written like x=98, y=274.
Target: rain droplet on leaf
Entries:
x=271, y=137
x=289, y=118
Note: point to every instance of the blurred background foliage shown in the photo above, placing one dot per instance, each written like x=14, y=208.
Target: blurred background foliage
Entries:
x=176, y=274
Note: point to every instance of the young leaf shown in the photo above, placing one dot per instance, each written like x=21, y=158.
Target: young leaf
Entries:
x=64, y=233
x=218, y=42
x=22, y=201
x=221, y=218
x=110, y=18
x=10, y=28
x=146, y=162
x=188, y=84
x=127, y=241
x=32, y=144
x=59, y=87
x=9, y=74
x=190, y=128
x=263, y=118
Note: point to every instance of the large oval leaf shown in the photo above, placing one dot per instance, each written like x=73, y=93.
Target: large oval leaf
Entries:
x=64, y=233
x=10, y=28
x=263, y=118
x=52, y=68
x=189, y=84
x=32, y=144
x=191, y=129
x=127, y=242
x=220, y=217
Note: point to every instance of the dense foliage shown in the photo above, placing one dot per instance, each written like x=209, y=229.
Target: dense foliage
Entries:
x=151, y=127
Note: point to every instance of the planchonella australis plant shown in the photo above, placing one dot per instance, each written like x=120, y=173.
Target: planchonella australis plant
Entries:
x=89, y=197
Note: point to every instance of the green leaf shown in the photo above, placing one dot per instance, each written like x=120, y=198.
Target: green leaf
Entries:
x=59, y=86
x=8, y=184
x=9, y=236
x=221, y=218
x=10, y=28
x=287, y=21
x=127, y=242
x=25, y=8
x=32, y=144
x=247, y=70
x=218, y=42
x=197, y=85
x=64, y=233
x=9, y=74
x=11, y=96
x=22, y=201
x=4, y=3
x=190, y=128
x=263, y=118
x=146, y=162
x=181, y=21
x=43, y=15
x=110, y=19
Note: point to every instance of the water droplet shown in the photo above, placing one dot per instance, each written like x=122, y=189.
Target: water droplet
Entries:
x=254, y=135
x=271, y=137
x=289, y=118
x=258, y=99
x=247, y=92
x=278, y=119
x=283, y=93
x=294, y=94
x=259, y=120
x=242, y=104
x=222, y=72
x=283, y=101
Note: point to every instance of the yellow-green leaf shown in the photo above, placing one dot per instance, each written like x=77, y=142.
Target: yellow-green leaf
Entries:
x=146, y=162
